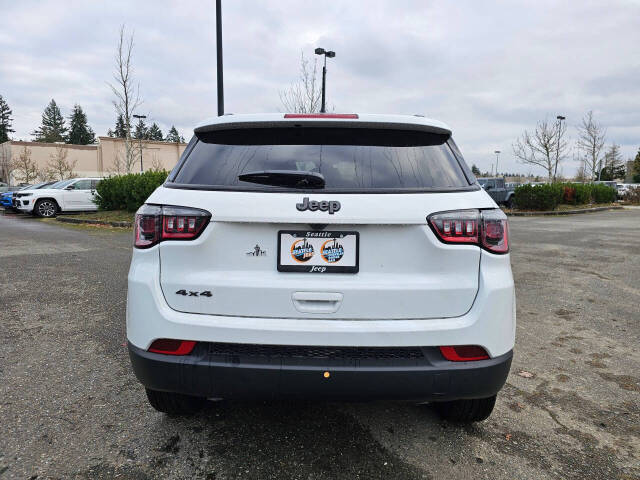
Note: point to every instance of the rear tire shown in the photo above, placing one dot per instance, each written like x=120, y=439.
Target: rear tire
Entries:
x=509, y=203
x=45, y=208
x=466, y=411
x=174, y=403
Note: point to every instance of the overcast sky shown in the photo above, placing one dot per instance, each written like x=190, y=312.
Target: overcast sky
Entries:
x=488, y=69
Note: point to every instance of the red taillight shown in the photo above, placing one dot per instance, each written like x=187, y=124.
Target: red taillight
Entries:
x=168, y=346
x=486, y=228
x=155, y=223
x=464, y=353
x=321, y=115
x=495, y=231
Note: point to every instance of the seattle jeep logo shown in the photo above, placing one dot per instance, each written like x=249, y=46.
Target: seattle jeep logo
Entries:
x=313, y=205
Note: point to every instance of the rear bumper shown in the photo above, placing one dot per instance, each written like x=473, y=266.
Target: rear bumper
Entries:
x=211, y=374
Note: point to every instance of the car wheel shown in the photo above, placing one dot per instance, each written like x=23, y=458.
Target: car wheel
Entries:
x=174, y=403
x=509, y=204
x=46, y=208
x=466, y=411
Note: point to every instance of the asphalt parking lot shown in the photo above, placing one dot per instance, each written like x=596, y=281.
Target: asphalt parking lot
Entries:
x=70, y=406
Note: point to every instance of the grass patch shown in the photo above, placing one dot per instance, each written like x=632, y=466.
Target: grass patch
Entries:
x=563, y=207
x=107, y=216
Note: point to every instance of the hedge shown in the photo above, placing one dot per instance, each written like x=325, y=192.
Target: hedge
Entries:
x=549, y=196
x=128, y=192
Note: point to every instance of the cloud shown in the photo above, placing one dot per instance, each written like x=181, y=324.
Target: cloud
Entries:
x=488, y=70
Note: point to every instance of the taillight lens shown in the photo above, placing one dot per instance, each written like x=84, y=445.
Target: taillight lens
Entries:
x=486, y=228
x=155, y=223
x=495, y=231
x=168, y=346
x=464, y=353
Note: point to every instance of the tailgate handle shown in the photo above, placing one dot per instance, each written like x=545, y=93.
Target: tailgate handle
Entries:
x=317, y=302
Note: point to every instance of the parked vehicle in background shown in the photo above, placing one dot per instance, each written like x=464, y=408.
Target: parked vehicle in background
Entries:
x=332, y=256
x=6, y=199
x=625, y=188
x=72, y=195
x=498, y=190
x=608, y=183
x=4, y=187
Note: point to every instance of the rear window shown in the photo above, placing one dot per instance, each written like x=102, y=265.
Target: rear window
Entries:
x=349, y=159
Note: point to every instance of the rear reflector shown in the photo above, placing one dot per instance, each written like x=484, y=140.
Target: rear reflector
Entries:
x=486, y=228
x=321, y=115
x=464, y=353
x=168, y=346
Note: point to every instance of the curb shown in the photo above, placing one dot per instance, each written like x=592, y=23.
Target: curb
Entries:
x=563, y=212
x=94, y=222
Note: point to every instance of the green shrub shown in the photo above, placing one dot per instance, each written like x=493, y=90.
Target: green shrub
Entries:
x=583, y=193
x=603, y=194
x=538, y=197
x=548, y=197
x=128, y=192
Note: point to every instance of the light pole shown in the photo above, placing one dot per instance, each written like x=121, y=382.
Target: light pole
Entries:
x=330, y=54
x=141, y=117
x=560, y=118
x=219, y=57
x=497, y=152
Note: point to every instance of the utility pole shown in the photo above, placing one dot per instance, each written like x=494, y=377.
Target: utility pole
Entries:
x=219, y=57
x=497, y=152
x=140, y=117
x=560, y=119
x=330, y=54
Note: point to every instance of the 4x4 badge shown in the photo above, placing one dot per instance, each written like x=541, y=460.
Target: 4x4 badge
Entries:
x=313, y=205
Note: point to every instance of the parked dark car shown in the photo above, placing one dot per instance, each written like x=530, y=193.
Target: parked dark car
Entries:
x=500, y=193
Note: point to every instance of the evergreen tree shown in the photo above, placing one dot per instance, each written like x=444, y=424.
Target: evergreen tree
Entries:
x=121, y=128
x=613, y=166
x=5, y=121
x=141, y=130
x=80, y=133
x=475, y=170
x=110, y=133
x=154, y=133
x=636, y=168
x=173, y=136
x=53, y=128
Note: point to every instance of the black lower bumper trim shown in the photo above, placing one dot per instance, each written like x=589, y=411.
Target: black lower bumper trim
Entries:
x=205, y=373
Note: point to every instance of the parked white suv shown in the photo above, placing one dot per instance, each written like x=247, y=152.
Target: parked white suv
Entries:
x=76, y=194
x=323, y=256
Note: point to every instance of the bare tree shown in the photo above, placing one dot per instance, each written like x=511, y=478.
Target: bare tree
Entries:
x=44, y=175
x=25, y=168
x=545, y=147
x=6, y=165
x=156, y=163
x=127, y=95
x=58, y=166
x=305, y=95
x=590, y=142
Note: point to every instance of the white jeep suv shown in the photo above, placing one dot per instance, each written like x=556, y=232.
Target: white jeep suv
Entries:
x=335, y=256
x=76, y=194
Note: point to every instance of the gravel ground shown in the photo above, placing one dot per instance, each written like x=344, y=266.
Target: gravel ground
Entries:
x=70, y=406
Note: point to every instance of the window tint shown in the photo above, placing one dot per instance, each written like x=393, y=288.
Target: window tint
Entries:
x=347, y=158
x=94, y=184
x=500, y=182
x=61, y=184
x=82, y=185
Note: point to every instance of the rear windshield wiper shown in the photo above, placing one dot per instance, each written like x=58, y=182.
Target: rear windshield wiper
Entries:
x=285, y=178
